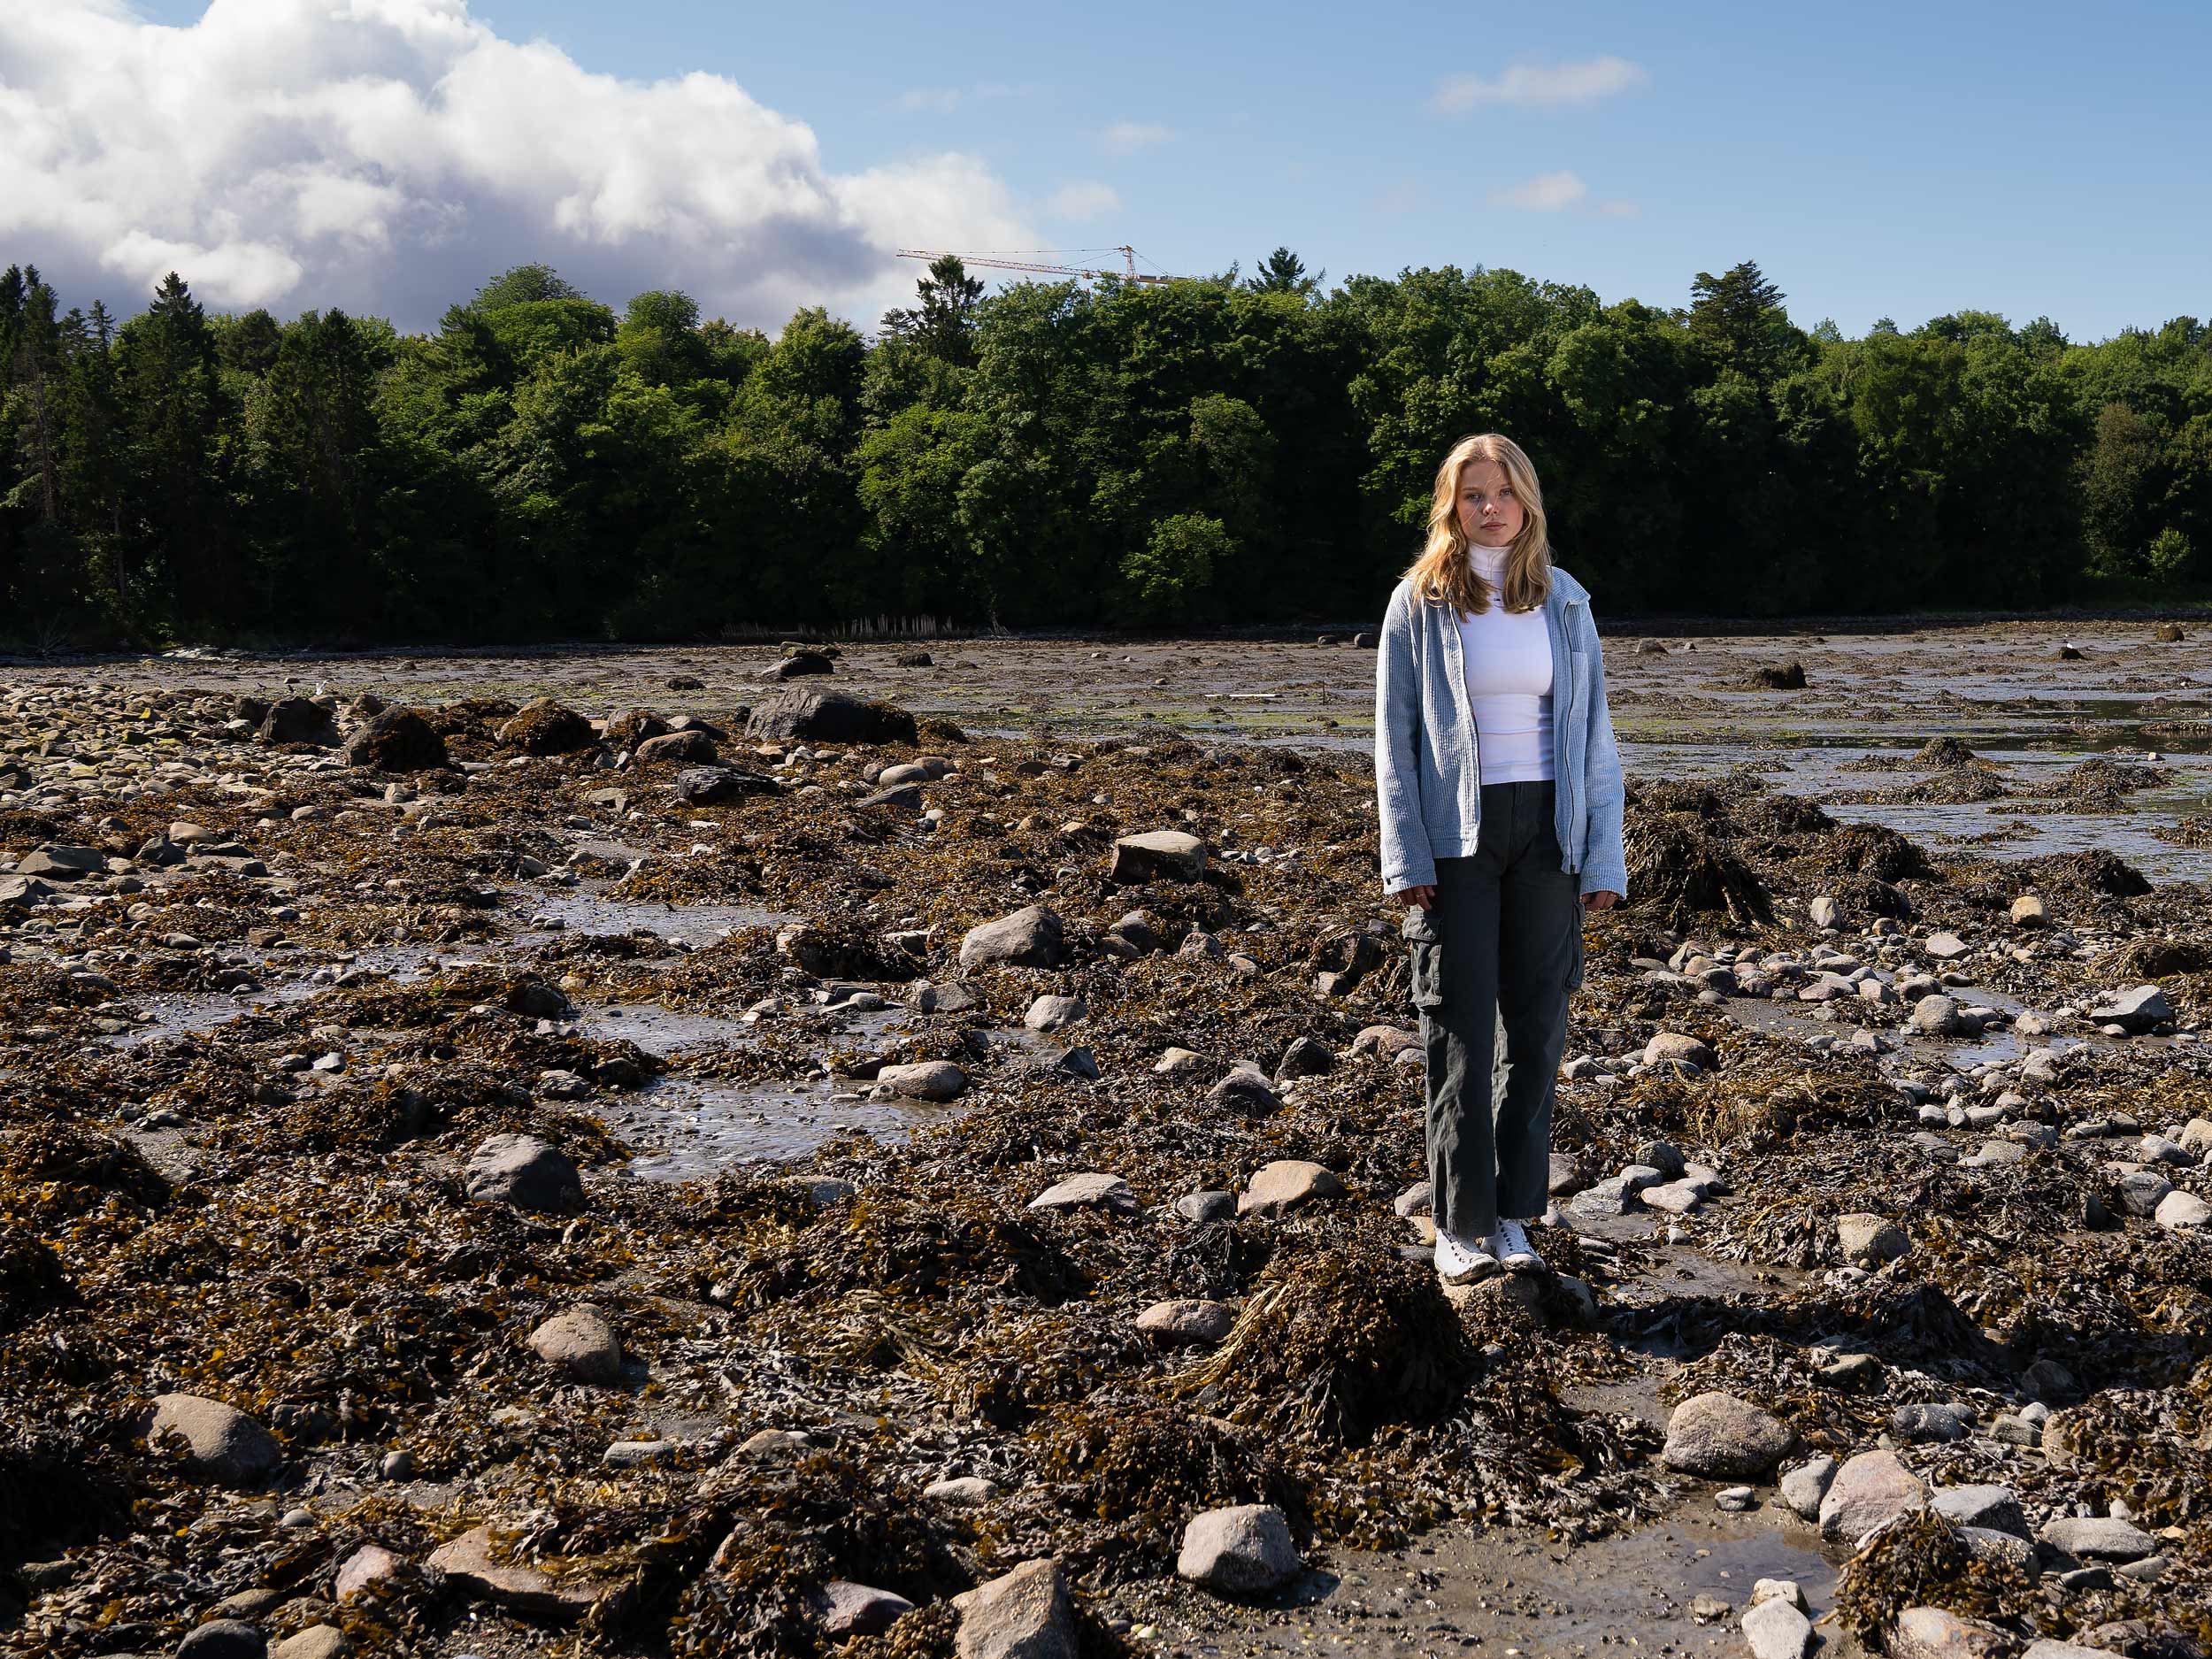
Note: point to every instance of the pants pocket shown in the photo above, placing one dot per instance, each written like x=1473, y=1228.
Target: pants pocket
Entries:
x=1574, y=951
x=1427, y=958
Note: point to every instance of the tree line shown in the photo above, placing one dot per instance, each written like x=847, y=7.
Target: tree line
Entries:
x=1239, y=448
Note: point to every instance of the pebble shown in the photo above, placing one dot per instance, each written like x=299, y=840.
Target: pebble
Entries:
x=1805, y=1485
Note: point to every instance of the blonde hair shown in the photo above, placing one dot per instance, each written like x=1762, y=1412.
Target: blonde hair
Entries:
x=1444, y=574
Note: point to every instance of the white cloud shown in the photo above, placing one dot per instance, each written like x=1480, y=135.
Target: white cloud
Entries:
x=389, y=155
x=1083, y=199
x=934, y=100
x=1124, y=138
x=1546, y=193
x=1539, y=86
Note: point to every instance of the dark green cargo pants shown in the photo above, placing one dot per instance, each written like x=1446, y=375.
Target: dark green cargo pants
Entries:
x=1492, y=964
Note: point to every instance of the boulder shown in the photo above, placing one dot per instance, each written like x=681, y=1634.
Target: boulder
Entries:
x=218, y=1443
x=2029, y=911
x=847, y=1608
x=673, y=748
x=1155, y=855
x=1869, y=1240
x=59, y=861
x=398, y=740
x=1026, y=1614
x=2098, y=1538
x=316, y=1642
x=1031, y=937
x=1945, y=947
x=525, y=1171
x=2136, y=1009
x=711, y=785
x=580, y=1342
x=468, y=1562
x=1937, y=1016
x=1245, y=1092
x=1306, y=1057
x=1992, y=1507
x=928, y=1079
x=798, y=664
x=360, y=1573
x=1284, y=1184
x=1804, y=1486
x=1050, y=1013
x=1774, y=1628
x=297, y=721
x=1673, y=1044
x=1870, y=1489
x=1206, y=1206
x=543, y=726
x=1077, y=1192
x=223, y=1638
x=1931, y=1633
x=960, y=1492
x=1245, y=1550
x=1719, y=1437
x=1385, y=1042
x=831, y=717
x=1187, y=1322
x=2181, y=1211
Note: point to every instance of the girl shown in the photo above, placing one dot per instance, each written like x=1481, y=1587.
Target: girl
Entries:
x=1499, y=790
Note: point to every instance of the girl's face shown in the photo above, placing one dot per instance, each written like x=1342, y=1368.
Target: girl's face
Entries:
x=1489, y=511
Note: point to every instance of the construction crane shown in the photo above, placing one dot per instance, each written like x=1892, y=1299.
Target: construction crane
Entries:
x=1007, y=262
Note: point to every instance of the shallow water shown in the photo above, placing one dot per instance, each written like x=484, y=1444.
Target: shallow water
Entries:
x=582, y=910
x=687, y=1129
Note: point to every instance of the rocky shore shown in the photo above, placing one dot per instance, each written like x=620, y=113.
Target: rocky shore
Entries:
x=748, y=1171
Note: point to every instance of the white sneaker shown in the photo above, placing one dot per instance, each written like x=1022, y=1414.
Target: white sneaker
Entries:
x=1514, y=1249
x=1457, y=1262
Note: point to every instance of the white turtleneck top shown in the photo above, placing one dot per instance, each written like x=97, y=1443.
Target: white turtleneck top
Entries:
x=1509, y=681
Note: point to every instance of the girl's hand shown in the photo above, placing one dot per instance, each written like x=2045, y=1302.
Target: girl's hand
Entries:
x=1422, y=897
x=1601, y=900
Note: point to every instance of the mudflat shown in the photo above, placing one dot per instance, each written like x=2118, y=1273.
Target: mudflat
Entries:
x=629, y=1151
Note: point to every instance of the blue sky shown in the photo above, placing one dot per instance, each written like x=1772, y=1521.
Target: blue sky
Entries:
x=1880, y=159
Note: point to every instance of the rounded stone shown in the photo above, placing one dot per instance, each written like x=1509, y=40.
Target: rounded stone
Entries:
x=1719, y=1437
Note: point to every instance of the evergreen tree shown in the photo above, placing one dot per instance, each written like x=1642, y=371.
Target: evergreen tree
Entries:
x=943, y=324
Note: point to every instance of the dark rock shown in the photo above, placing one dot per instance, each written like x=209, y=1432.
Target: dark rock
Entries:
x=711, y=785
x=833, y=717
x=525, y=1171
x=797, y=663
x=298, y=721
x=674, y=747
x=1029, y=938
x=544, y=727
x=906, y=797
x=398, y=740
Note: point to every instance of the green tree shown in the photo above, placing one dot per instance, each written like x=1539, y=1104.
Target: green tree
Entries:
x=1283, y=272
x=942, y=323
x=1738, y=315
x=1166, y=582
